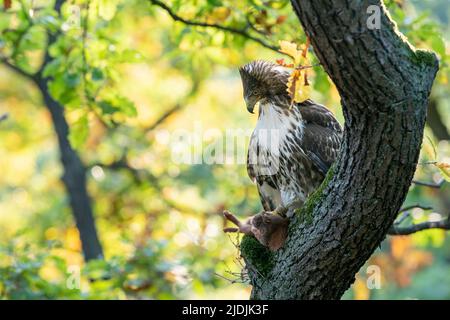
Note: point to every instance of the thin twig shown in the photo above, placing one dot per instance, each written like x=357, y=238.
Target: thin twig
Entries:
x=4, y=117
x=177, y=107
x=225, y=278
x=426, y=163
x=139, y=175
x=15, y=68
x=429, y=184
x=420, y=206
x=240, y=32
x=402, y=218
x=251, y=26
x=163, y=117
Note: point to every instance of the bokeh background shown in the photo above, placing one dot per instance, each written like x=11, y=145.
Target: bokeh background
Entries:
x=130, y=77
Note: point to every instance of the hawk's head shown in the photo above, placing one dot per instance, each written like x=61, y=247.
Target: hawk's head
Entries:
x=262, y=80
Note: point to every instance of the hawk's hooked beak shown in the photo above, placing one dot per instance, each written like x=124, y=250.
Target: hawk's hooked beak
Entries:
x=250, y=104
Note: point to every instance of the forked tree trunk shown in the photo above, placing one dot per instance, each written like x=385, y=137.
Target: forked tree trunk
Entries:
x=74, y=177
x=384, y=85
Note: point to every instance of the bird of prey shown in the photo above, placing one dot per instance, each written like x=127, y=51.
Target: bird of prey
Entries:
x=290, y=150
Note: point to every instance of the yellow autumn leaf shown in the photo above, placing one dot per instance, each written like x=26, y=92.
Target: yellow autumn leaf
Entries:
x=443, y=165
x=444, y=168
x=291, y=49
x=303, y=93
x=72, y=239
x=220, y=14
x=292, y=83
x=298, y=87
x=360, y=289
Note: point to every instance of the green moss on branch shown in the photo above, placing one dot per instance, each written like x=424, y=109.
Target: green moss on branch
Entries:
x=306, y=211
x=260, y=256
x=424, y=58
x=257, y=255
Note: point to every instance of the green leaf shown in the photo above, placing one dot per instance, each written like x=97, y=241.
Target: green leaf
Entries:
x=61, y=89
x=321, y=82
x=52, y=67
x=79, y=132
x=438, y=45
x=118, y=104
x=107, y=107
x=97, y=74
x=215, y=3
x=56, y=87
x=126, y=106
x=5, y=20
x=71, y=79
x=34, y=39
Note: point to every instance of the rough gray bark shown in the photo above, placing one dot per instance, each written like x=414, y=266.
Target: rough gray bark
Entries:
x=384, y=86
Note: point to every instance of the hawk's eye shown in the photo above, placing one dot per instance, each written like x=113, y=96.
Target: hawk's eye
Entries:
x=254, y=93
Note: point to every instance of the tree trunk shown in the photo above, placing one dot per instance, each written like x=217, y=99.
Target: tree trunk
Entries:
x=74, y=178
x=384, y=86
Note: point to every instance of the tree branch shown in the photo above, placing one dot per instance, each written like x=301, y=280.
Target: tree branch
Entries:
x=177, y=107
x=442, y=224
x=429, y=184
x=139, y=175
x=4, y=117
x=396, y=229
x=420, y=206
x=239, y=32
x=163, y=117
x=74, y=176
x=50, y=39
x=16, y=69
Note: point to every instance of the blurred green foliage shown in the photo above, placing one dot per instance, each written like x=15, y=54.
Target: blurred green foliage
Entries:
x=117, y=67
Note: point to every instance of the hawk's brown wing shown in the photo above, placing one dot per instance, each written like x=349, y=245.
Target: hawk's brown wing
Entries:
x=322, y=134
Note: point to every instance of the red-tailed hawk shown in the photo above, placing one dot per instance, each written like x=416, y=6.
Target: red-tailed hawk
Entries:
x=290, y=151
